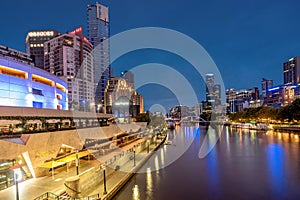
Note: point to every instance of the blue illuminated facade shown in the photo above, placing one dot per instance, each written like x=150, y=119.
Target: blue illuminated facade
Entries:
x=281, y=95
x=23, y=85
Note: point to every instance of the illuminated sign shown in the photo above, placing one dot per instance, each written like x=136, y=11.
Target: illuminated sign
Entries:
x=272, y=89
x=77, y=30
x=36, y=45
x=40, y=33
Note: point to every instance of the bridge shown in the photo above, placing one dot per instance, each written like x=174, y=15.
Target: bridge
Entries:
x=185, y=120
x=192, y=119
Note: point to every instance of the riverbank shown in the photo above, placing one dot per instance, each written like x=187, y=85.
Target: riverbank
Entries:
x=132, y=172
x=266, y=127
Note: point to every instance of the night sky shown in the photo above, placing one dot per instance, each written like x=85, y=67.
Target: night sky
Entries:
x=247, y=40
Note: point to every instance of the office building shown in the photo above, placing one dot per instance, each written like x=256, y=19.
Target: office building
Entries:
x=69, y=56
x=35, y=44
x=265, y=86
x=98, y=35
x=23, y=85
x=137, y=104
x=213, y=94
x=115, y=89
x=209, y=80
x=238, y=100
x=281, y=95
x=122, y=100
x=291, y=71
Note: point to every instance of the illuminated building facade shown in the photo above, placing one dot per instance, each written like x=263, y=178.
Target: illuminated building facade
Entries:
x=213, y=94
x=239, y=100
x=98, y=34
x=121, y=99
x=116, y=88
x=291, y=71
x=24, y=85
x=281, y=95
x=69, y=56
x=35, y=45
x=137, y=103
x=265, y=86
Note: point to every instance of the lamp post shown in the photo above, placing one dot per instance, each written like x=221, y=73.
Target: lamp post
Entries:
x=77, y=163
x=17, y=184
x=52, y=161
x=134, y=155
x=148, y=146
x=104, y=181
x=16, y=179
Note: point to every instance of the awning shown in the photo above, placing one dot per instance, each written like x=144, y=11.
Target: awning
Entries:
x=52, y=120
x=64, y=160
x=33, y=122
x=72, y=157
x=51, y=164
x=7, y=122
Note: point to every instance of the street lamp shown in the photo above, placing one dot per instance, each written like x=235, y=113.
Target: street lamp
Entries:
x=17, y=184
x=134, y=155
x=52, y=162
x=104, y=180
x=148, y=146
x=77, y=163
x=16, y=170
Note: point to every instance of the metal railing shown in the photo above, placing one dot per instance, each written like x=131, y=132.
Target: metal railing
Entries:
x=51, y=196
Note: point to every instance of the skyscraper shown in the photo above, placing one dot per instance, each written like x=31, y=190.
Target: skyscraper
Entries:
x=265, y=85
x=98, y=35
x=35, y=45
x=291, y=71
x=69, y=56
x=209, y=80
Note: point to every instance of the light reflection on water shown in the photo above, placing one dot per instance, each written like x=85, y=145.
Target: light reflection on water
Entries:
x=244, y=164
x=149, y=188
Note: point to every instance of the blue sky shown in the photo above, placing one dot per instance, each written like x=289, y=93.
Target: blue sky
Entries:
x=247, y=40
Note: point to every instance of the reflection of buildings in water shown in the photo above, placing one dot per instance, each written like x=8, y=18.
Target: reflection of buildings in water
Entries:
x=282, y=136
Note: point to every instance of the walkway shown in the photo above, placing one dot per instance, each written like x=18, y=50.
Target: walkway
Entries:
x=35, y=187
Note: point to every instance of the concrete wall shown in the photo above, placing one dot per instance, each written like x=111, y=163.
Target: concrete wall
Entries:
x=44, y=146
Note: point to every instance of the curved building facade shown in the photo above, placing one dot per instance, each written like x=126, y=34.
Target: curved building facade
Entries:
x=22, y=84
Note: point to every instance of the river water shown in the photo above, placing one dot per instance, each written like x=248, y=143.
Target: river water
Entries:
x=241, y=165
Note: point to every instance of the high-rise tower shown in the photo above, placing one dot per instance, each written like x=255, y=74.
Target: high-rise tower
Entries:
x=98, y=35
x=69, y=56
x=35, y=41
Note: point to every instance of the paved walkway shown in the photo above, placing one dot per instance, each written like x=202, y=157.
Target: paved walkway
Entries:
x=35, y=187
x=115, y=178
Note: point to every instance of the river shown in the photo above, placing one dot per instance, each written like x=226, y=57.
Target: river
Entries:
x=241, y=165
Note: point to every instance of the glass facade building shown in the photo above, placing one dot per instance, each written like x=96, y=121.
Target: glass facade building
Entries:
x=98, y=35
x=24, y=85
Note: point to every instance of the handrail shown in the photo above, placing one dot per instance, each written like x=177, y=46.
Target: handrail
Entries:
x=50, y=194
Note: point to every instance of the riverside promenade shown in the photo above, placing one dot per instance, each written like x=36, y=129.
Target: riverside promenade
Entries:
x=115, y=179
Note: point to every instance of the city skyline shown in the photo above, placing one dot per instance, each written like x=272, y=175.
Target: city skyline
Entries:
x=241, y=37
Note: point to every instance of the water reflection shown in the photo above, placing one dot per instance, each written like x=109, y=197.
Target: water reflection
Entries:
x=135, y=193
x=244, y=164
x=213, y=172
x=275, y=154
x=149, y=189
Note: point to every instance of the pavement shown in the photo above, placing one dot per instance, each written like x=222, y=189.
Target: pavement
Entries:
x=33, y=188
